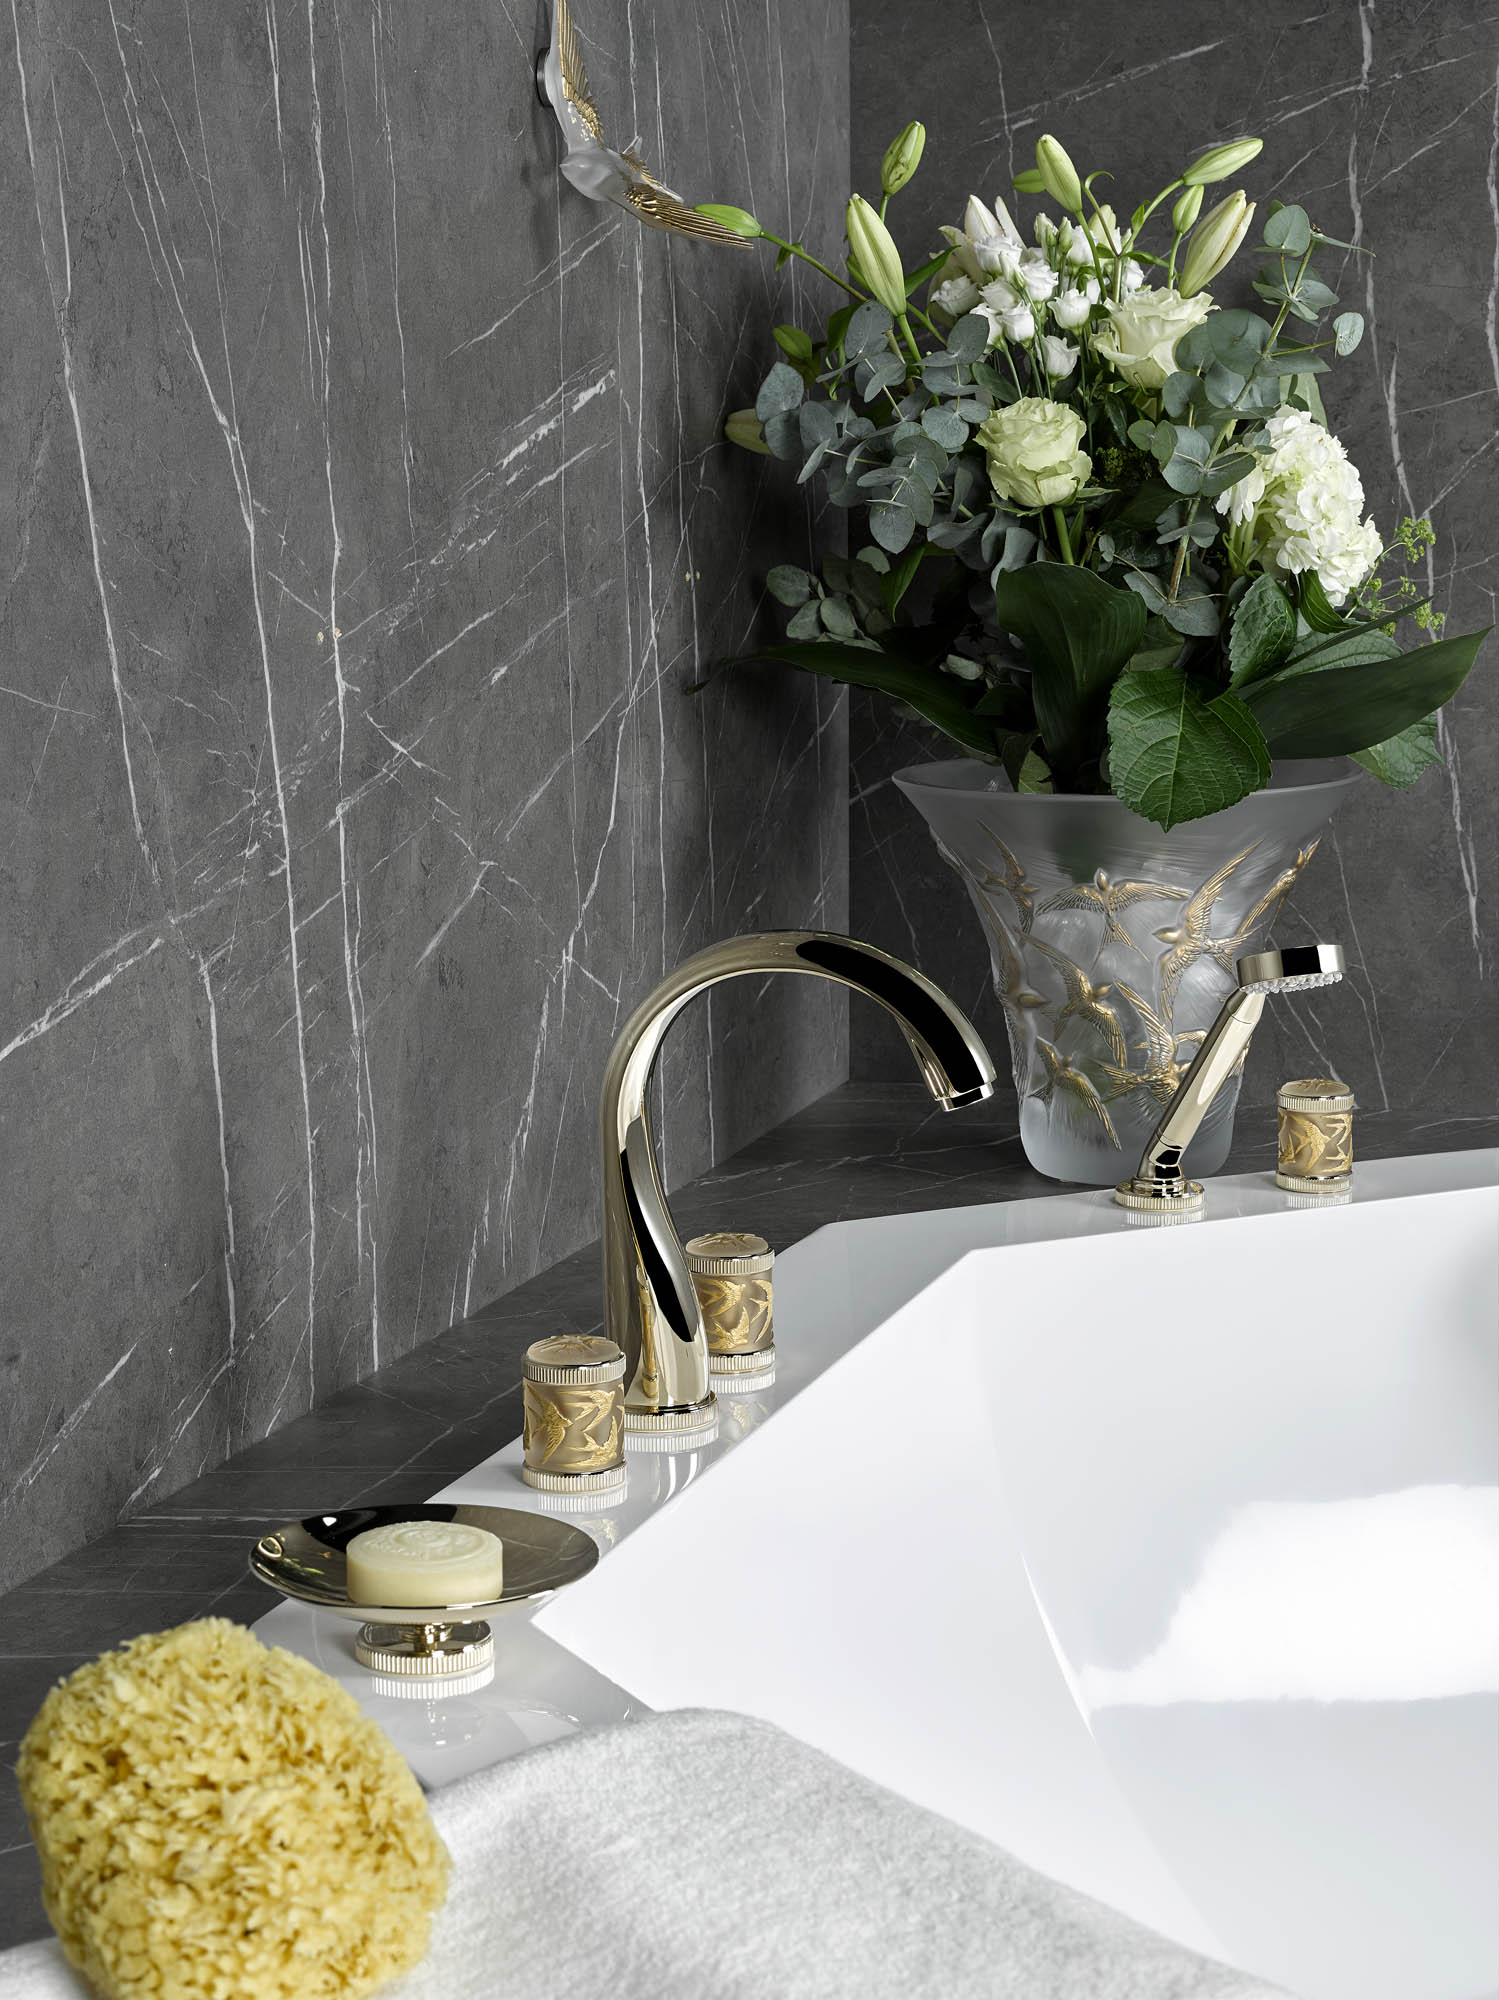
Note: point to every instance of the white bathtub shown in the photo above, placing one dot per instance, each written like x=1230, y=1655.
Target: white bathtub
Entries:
x=1169, y=1558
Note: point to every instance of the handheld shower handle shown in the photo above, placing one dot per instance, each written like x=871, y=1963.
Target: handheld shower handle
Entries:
x=1222, y=1050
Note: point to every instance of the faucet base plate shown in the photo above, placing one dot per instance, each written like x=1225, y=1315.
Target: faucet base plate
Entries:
x=1160, y=1197
x=684, y=1417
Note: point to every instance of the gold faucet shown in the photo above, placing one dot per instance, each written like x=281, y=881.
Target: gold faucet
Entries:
x=651, y=1307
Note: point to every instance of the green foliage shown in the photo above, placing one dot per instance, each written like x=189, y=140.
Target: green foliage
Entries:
x=1355, y=691
x=1400, y=760
x=1178, y=750
x=1134, y=636
x=1078, y=633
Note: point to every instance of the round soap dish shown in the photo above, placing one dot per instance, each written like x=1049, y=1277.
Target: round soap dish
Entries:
x=425, y=1642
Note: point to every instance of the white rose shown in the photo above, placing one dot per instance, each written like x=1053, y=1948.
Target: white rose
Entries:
x=1000, y=296
x=1077, y=249
x=1074, y=305
x=1039, y=279
x=1131, y=276
x=956, y=295
x=1019, y=324
x=1058, y=357
x=1139, y=339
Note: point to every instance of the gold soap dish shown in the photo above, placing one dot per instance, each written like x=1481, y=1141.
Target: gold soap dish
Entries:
x=420, y=1642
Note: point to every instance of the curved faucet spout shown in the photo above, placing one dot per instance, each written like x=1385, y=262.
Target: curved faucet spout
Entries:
x=650, y=1304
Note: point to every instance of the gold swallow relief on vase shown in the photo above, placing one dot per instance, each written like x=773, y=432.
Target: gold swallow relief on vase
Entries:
x=1124, y=1040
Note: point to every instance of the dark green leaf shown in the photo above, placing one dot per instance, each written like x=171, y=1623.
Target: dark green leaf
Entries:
x=1034, y=774
x=1176, y=752
x=931, y=694
x=924, y=272
x=1315, y=608
x=898, y=579
x=788, y=584
x=795, y=345
x=1264, y=631
x=1349, y=696
x=1077, y=631
x=1400, y=760
x=782, y=390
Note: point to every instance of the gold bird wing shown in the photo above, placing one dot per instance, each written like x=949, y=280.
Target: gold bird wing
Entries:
x=1079, y=988
x=577, y=109
x=1160, y=1043
x=662, y=210
x=1199, y=911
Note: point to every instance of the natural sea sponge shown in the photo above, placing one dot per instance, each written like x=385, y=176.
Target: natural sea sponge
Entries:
x=217, y=1821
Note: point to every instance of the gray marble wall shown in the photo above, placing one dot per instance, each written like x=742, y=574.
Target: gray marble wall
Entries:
x=365, y=520
x=1383, y=120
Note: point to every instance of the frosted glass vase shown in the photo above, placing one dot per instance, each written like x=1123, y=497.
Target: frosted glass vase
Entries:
x=1113, y=943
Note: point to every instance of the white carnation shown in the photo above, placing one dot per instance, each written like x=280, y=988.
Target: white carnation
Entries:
x=1306, y=502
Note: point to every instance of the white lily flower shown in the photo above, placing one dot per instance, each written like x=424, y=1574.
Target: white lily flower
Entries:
x=1058, y=357
x=979, y=221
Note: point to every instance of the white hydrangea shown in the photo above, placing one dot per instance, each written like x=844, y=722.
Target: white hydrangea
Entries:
x=1305, y=502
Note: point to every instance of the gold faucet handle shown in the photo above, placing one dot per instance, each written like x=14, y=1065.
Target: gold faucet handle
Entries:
x=731, y=1273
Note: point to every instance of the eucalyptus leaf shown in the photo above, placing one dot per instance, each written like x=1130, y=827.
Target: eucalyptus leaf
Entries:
x=892, y=525
x=805, y=623
x=788, y=584
x=946, y=428
x=1289, y=231
x=1078, y=632
x=868, y=328
x=838, y=618
x=782, y=390
x=1177, y=752
x=783, y=433
x=1263, y=631
x=969, y=338
x=1195, y=615
x=1400, y=760
x=1348, y=330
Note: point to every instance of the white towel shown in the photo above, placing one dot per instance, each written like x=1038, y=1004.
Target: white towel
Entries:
x=702, y=1856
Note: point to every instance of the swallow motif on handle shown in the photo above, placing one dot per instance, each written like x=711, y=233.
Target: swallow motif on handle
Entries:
x=591, y=164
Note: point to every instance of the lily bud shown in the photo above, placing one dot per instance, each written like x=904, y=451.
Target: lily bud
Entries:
x=902, y=157
x=1221, y=161
x=874, y=251
x=745, y=429
x=1188, y=208
x=1058, y=175
x=739, y=220
x=1214, y=241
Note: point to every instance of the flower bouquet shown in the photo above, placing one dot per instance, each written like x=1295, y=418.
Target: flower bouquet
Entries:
x=1113, y=548
x=1113, y=544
